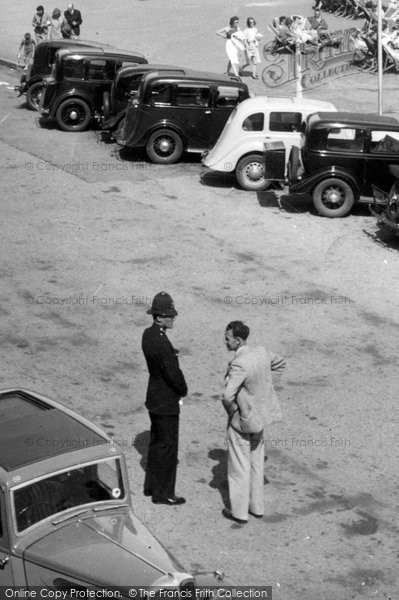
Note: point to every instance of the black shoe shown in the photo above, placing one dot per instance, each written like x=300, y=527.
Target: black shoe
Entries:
x=255, y=515
x=172, y=501
x=227, y=514
x=147, y=492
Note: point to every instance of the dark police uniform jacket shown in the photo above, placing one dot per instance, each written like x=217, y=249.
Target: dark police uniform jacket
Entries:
x=166, y=384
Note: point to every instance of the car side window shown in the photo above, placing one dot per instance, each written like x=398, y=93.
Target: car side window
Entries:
x=285, y=121
x=346, y=139
x=97, y=69
x=255, y=122
x=162, y=93
x=384, y=141
x=188, y=95
x=228, y=97
x=74, y=69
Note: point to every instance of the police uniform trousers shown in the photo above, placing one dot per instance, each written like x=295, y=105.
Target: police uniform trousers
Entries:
x=160, y=478
x=245, y=466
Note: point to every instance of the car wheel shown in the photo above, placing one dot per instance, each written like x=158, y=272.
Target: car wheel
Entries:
x=250, y=173
x=333, y=197
x=33, y=94
x=106, y=105
x=164, y=147
x=73, y=115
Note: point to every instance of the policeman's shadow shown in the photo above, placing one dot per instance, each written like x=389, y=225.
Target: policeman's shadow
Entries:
x=219, y=472
x=141, y=443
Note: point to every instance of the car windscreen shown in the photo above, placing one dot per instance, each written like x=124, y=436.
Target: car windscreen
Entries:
x=92, y=483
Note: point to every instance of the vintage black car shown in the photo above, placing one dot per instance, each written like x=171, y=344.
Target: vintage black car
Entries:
x=73, y=94
x=172, y=114
x=31, y=82
x=125, y=86
x=388, y=214
x=342, y=156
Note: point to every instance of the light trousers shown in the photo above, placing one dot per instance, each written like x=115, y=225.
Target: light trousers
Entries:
x=245, y=466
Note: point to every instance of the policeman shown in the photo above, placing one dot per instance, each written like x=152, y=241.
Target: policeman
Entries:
x=166, y=387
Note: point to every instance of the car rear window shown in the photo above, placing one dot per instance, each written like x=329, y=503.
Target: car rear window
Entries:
x=254, y=122
x=74, y=68
x=384, y=141
x=345, y=138
x=188, y=95
x=162, y=93
x=97, y=69
x=285, y=121
x=228, y=97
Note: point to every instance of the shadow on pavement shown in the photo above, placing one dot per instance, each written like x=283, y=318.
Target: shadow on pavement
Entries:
x=218, y=180
x=219, y=472
x=141, y=443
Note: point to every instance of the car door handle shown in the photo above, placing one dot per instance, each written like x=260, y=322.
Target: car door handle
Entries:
x=4, y=561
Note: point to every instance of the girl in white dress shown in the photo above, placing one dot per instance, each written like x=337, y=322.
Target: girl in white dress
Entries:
x=251, y=40
x=56, y=24
x=234, y=44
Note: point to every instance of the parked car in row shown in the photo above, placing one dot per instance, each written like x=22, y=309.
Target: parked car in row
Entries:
x=125, y=87
x=240, y=147
x=73, y=94
x=66, y=520
x=176, y=113
x=343, y=156
x=31, y=82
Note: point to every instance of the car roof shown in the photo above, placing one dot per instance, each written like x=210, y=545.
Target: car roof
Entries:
x=340, y=119
x=34, y=428
x=62, y=44
x=98, y=52
x=132, y=69
x=260, y=103
x=197, y=76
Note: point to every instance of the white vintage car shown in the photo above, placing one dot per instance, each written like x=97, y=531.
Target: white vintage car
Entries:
x=240, y=147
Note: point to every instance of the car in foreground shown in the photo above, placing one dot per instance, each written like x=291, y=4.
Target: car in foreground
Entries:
x=66, y=518
x=176, y=113
x=343, y=156
x=31, y=82
x=73, y=94
x=240, y=147
x=125, y=87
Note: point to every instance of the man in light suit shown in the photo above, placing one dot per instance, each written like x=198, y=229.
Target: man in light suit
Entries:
x=248, y=388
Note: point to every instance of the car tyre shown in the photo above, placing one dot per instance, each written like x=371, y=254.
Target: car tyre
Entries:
x=250, y=173
x=333, y=197
x=73, y=114
x=33, y=94
x=164, y=147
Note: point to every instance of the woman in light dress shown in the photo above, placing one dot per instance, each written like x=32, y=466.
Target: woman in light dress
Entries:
x=251, y=40
x=234, y=44
x=56, y=23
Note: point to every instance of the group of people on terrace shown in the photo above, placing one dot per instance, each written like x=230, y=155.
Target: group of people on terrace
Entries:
x=46, y=27
x=241, y=42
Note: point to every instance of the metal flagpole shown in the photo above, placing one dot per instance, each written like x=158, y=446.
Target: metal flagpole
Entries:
x=380, y=67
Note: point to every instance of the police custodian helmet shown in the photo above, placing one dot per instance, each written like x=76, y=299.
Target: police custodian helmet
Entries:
x=162, y=304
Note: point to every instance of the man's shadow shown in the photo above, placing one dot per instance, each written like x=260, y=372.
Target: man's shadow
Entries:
x=141, y=443
x=219, y=472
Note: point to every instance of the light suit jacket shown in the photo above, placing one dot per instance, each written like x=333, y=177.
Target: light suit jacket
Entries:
x=249, y=381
